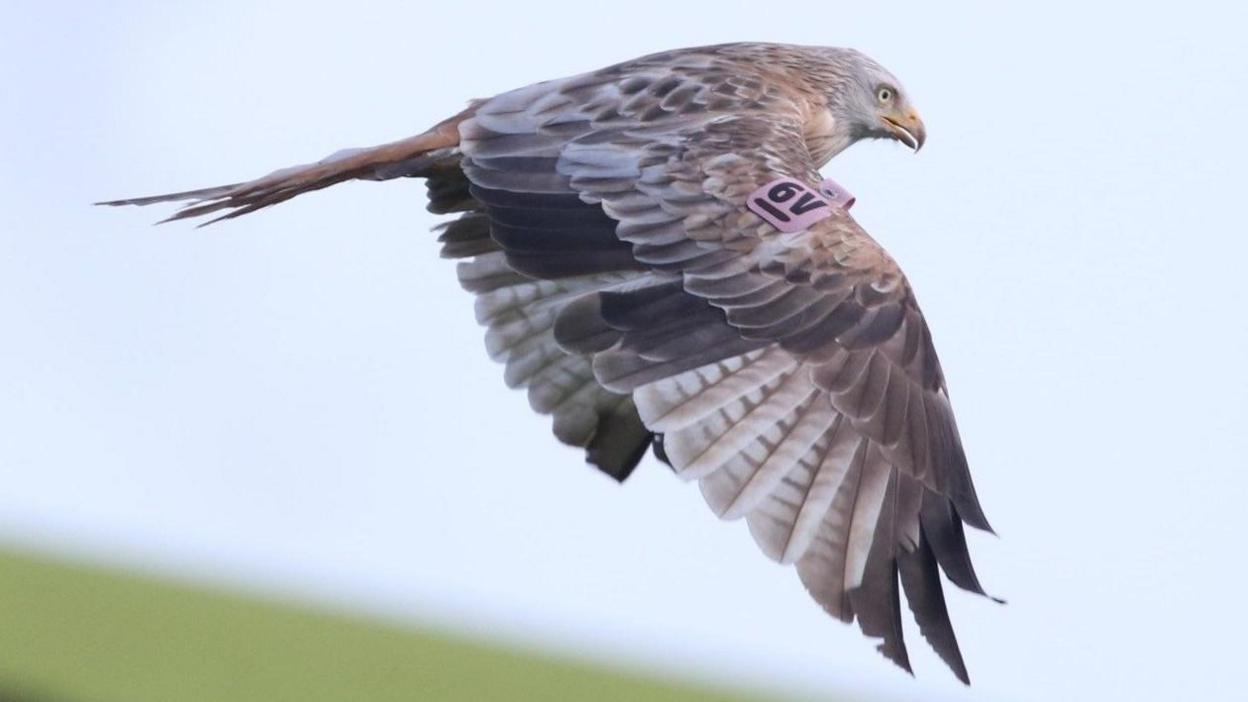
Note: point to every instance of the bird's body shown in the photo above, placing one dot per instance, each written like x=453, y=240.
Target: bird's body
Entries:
x=645, y=288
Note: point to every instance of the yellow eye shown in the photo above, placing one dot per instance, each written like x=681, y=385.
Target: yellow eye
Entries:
x=884, y=94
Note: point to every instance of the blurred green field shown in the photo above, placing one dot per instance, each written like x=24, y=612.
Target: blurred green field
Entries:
x=70, y=633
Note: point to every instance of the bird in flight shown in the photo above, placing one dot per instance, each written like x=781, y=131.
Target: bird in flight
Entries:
x=659, y=264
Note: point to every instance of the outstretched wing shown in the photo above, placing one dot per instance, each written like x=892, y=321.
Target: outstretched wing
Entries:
x=790, y=373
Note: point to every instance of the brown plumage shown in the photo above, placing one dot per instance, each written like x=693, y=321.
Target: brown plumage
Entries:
x=603, y=226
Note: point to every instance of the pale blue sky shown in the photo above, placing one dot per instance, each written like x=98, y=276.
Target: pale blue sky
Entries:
x=254, y=403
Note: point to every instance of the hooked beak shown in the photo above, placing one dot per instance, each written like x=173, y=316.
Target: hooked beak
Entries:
x=907, y=128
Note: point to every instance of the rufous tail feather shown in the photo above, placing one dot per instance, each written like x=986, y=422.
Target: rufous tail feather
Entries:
x=406, y=157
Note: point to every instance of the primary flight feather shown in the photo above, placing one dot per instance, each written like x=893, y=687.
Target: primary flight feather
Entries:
x=655, y=264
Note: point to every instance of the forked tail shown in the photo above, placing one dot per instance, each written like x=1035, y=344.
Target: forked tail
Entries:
x=412, y=156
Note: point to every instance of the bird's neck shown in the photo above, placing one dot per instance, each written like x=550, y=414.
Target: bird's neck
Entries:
x=825, y=136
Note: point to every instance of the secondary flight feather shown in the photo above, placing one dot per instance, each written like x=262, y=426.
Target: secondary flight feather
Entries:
x=657, y=265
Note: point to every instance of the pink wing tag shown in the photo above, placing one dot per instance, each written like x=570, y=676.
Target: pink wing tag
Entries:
x=837, y=196
x=790, y=206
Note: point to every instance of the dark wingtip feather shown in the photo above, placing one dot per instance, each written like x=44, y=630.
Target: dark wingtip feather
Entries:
x=877, y=600
x=967, y=503
x=877, y=603
x=942, y=527
x=920, y=578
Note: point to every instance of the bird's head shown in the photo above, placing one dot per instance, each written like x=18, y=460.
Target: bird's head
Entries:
x=870, y=103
